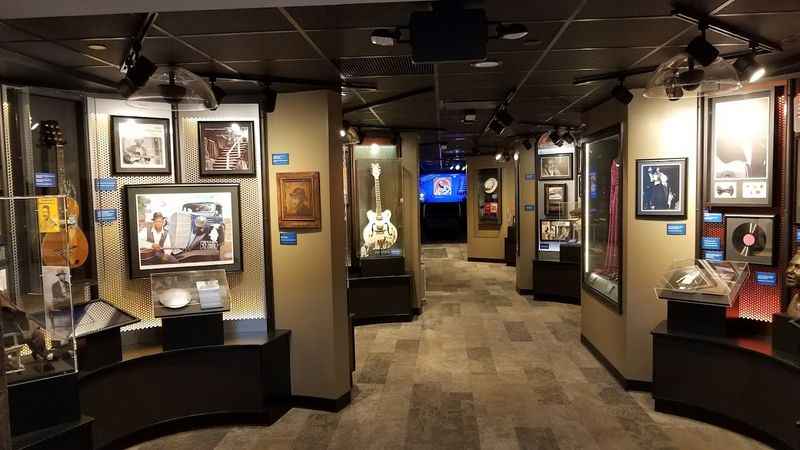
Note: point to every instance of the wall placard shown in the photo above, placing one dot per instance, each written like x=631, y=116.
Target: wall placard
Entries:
x=767, y=278
x=44, y=180
x=714, y=255
x=105, y=184
x=712, y=217
x=711, y=243
x=676, y=229
x=288, y=238
x=280, y=159
x=105, y=215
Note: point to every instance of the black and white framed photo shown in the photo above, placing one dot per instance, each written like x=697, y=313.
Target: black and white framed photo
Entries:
x=750, y=238
x=555, y=167
x=175, y=227
x=740, y=150
x=141, y=145
x=226, y=148
x=661, y=187
x=556, y=200
x=555, y=230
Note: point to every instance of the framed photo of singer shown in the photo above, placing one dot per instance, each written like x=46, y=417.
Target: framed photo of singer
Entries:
x=661, y=188
x=740, y=150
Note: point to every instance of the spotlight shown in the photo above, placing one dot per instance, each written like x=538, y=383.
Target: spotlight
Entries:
x=511, y=31
x=218, y=92
x=701, y=50
x=622, y=94
x=464, y=168
x=568, y=137
x=497, y=127
x=516, y=156
x=384, y=37
x=504, y=117
x=458, y=166
x=136, y=76
x=470, y=116
x=556, y=138
x=97, y=47
x=374, y=148
x=498, y=156
x=488, y=64
x=343, y=132
x=673, y=89
x=527, y=144
x=749, y=69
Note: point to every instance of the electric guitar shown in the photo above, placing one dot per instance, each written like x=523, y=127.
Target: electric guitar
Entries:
x=53, y=245
x=379, y=234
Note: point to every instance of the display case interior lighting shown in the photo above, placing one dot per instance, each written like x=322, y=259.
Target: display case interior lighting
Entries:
x=375, y=148
x=516, y=156
x=586, y=184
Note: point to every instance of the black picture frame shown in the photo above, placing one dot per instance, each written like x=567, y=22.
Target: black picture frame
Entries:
x=204, y=128
x=647, y=205
x=543, y=159
x=552, y=210
x=493, y=199
x=561, y=222
x=189, y=211
x=736, y=190
x=117, y=146
x=751, y=223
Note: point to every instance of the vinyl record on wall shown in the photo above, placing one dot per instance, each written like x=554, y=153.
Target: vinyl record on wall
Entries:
x=749, y=238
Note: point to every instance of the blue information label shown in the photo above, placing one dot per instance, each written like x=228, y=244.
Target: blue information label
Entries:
x=715, y=255
x=530, y=208
x=288, y=238
x=712, y=217
x=530, y=176
x=797, y=233
x=711, y=243
x=105, y=215
x=544, y=246
x=105, y=184
x=395, y=252
x=44, y=180
x=767, y=278
x=280, y=159
x=676, y=229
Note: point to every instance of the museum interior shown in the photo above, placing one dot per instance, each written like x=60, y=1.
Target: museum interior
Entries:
x=313, y=224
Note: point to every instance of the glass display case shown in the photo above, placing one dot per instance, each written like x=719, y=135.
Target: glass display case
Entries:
x=557, y=204
x=703, y=281
x=177, y=294
x=379, y=211
x=490, y=198
x=603, y=215
x=35, y=287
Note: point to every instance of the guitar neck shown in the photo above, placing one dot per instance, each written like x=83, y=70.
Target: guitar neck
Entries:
x=378, y=195
x=62, y=178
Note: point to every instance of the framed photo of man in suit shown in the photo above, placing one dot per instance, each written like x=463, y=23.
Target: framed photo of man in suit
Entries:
x=298, y=200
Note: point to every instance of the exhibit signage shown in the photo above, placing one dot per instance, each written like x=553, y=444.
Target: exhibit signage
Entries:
x=530, y=208
x=280, y=159
x=711, y=243
x=767, y=278
x=712, y=217
x=797, y=235
x=105, y=184
x=105, y=215
x=288, y=238
x=715, y=255
x=530, y=176
x=676, y=229
x=44, y=180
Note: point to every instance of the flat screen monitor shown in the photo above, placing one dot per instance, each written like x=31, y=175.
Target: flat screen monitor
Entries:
x=443, y=188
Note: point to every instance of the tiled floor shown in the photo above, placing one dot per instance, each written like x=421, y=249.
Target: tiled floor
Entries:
x=482, y=368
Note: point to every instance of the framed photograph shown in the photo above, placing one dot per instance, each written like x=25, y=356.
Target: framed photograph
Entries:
x=661, y=187
x=555, y=167
x=740, y=150
x=556, y=201
x=298, y=200
x=750, y=238
x=183, y=227
x=555, y=230
x=226, y=148
x=141, y=145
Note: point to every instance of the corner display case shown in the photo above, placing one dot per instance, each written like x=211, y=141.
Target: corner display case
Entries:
x=490, y=198
x=177, y=294
x=379, y=213
x=603, y=215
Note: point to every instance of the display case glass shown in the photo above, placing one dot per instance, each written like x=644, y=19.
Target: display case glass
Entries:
x=703, y=281
x=379, y=212
x=35, y=287
x=490, y=198
x=603, y=215
x=196, y=292
x=559, y=218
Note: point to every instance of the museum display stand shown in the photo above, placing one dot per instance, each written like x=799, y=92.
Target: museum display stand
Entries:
x=379, y=288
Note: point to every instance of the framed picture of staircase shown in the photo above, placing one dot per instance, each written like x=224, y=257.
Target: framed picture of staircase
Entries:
x=226, y=148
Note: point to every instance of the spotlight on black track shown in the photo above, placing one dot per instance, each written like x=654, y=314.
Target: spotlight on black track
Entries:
x=384, y=37
x=504, y=117
x=622, y=94
x=137, y=75
x=511, y=31
x=701, y=50
x=749, y=69
x=497, y=127
x=218, y=92
x=555, y=138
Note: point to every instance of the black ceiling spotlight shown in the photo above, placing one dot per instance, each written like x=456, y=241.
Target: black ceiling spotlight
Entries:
x=673, y=89
x=497, y=127
x=701, y=50
x=511, y=31
x=138, y=71
x=555, y=138
x=527, y=144
x=385, y=37
x=470, y=116
x=748, y=68
x=504, y=117
x=568, y=137
x=621, y=93
x=218, y=92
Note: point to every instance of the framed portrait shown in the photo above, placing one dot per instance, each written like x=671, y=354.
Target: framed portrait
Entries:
x=298, y=200
x=555, y=230
x=556, y=201
x=661, y=187
x=740, y=150
x=141, y=145
x=555, y=167
x=750, y=238
x=183, y=227
x=226, y=148
x=490, y=198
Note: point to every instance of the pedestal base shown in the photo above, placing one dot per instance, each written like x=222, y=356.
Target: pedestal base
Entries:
x=43, y=403
x=99, y=349
x=709, y=320
x=380, y=299
x=383, y=265
x=192, y=331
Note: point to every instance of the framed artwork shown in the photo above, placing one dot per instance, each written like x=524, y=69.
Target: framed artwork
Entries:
x=740, y=150
x=750, y=238
x=226, y=148
x=490, y=198
x=555, y=230
x=556, y=200
x=555, y=167
x=141, y=145
x=298, y=200
x=176, y=227
x=661, y=187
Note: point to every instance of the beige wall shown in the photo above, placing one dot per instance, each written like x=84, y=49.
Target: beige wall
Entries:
x=488, y=244
x=309, y=278
x=654, y=129
x=527, y=219
x=412, y=240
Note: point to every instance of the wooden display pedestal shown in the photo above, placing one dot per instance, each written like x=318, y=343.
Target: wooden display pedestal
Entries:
x=192, y=331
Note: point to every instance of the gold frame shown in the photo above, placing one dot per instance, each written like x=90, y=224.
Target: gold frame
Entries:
x=312, y=221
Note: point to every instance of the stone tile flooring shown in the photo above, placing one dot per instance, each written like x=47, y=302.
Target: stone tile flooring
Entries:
x=482, y=368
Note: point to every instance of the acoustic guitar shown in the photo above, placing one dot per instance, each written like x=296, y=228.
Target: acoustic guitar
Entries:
x=53, y=244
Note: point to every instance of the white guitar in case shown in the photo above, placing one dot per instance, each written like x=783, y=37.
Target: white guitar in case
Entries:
x=379, y=234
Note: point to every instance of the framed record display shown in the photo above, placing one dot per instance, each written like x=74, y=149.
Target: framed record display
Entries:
x=750, y=238
x=556, y=200
x=740, y=150
x=490, y=198
x=661, y=187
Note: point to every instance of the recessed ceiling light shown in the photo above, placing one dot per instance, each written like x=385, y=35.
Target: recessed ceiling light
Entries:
x=97, y=47
x=488, y=64
x=512, y=31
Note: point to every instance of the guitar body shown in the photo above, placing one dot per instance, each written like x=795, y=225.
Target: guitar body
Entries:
x=380, y=233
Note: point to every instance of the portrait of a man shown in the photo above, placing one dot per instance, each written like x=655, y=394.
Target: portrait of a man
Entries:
x=298, y=200
x=141, y=145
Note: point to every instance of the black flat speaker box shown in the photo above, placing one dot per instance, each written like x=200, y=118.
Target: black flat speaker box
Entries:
x=785, y=335
x=708, y=320
x=270, y=99
x=192, y=331
x=43, y=403
x=99, y=350
x=380, y=266
x=570, y=253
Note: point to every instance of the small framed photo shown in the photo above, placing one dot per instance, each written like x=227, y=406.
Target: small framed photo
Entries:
x=556, y=201
x=661, y=187
x=298, y=200
x=555, y=167
x=226, y=148
x=555, y=230
x=141, y=145
x=750, y=238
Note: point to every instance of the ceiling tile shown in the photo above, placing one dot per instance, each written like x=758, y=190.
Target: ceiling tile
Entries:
x=512, y=62
x=223, y=21
x=753, y=6
x=530, y=10
x=781, y=28
x=556, y=90
x=617, y=58
x=50, y=52
x=8, y=33
x=397, y=84
x=114, y=53
x=251, y=47
x=354, y=16
x=620, y=33
x=638, y=8
x=78, y=27
x=163, y=50
x=109, y=73
x=308, y=68
x=350, y=43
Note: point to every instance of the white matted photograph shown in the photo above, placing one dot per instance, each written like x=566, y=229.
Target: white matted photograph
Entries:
x=661, y=187
x=141, y=145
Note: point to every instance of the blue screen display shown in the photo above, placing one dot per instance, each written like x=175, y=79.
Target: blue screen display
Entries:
x=443, y=188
